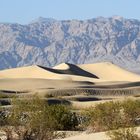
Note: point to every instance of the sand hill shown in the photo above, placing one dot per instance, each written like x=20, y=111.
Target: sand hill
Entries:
x=105, y=71
x=89, y=72
x=65, y=75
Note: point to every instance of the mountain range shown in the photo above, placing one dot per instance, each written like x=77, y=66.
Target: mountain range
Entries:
x=48, y=42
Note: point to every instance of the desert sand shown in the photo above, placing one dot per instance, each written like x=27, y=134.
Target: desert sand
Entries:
x=103, y=71
x=94, y=136
x=99, y=71
x=66, y=75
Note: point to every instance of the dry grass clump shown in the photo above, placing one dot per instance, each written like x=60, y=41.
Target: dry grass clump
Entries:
x=7, y=95
x=93, y=91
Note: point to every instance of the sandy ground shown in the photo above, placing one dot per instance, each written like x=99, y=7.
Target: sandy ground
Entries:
x=37, y=84
x=94, y=136
x=88, y=104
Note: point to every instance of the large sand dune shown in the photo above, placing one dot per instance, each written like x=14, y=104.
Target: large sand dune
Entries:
x=103, y=71
x=99, y=75
x=28, y=72
x=87, y=72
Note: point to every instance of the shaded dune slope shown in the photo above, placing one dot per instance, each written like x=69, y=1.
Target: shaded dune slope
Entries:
x=71, y=70
x=35, y=71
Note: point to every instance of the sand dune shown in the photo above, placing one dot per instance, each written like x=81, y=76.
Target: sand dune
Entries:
x=21, y=84
x=103, y=71
x=46, y=73
x=109, y=71
x=28, y=72
x=66, y=76
x=98, y=72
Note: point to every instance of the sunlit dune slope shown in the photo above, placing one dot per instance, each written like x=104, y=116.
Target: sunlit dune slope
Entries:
x=103, y=71
x=20, y=84
x=109, y=71
x=99, y=75
x=98, y=72
x=29, y=72
x=40, y=72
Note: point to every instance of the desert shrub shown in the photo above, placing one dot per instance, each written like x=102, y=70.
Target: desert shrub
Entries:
x=123, y=134
x=131, y=109
x=66, y=120
x=4, y=102
x=34, y=119
x=119, y=117
x=6, y=95
x=3, y=117
x=105, y=116
x=49, y=95
x=29, y=119
x=58, y=101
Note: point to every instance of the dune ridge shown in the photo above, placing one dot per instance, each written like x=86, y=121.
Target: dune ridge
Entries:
x=65, y=75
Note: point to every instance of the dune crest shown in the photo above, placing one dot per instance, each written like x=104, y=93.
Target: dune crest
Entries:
x=62, y=66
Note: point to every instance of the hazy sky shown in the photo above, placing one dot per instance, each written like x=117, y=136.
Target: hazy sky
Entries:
x=24, y=11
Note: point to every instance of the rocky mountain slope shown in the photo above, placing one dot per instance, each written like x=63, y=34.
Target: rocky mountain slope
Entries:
x=49, y=42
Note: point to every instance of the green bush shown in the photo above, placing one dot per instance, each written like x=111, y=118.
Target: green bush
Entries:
x=34, y=119
x=119, y=117
x=131, y=110
x=65, y=119
x=105, y=116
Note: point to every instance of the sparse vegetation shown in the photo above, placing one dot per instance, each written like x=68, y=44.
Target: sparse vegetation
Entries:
x=6, y=95
x=105, y=116
x=123, y=134
x=34, y=119
x=95, y=92
x=119, y=117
